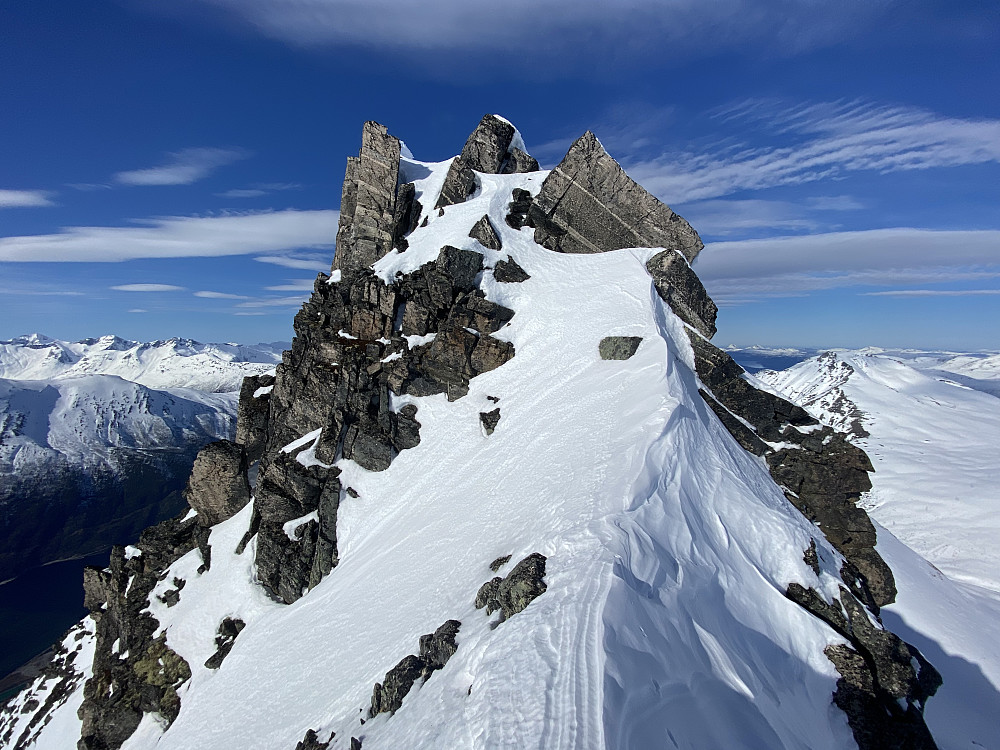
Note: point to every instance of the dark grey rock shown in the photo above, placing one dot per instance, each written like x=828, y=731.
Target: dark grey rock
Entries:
x=499, y=563
x=823, y=475
x=811, y=558
x=148, y=678
x=406, y=215
x=218, y=487
x=516, y=591
x=229, y=628
x=490, y=353
x=368, y=201
x=681, y=288
x=483, y=231
x=588, y=204
x=252, y=414
x=508, y=272
x=462, y=266
x=484, y=151
x=619, y=347
x=311, y=742
x=884, y=682
x=476, y=312
x=518, y=161
x=518, y=209
x=435, y=650
x=490, y=420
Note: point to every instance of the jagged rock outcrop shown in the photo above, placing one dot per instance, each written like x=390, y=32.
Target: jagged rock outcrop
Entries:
x=229, y=628
x=483, y=231
x=518, y=208
x=884, y=681
x=133, y=672
x=218, y=487
x=588, y=204
x=512, y=593
x=822, y=474
x=435, y=650
x=619, y=347
x=679, y=286
x=252, y=412
x=376, y=212
x=486, y=151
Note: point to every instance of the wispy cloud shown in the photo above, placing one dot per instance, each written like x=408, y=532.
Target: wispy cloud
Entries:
x=183, y=167
x=138, y=310
x=933, y=293
x=790, y=266
x=274, y=302
x=260, y=189
x=220, y=295
x=307, y=262
x=294, y=285
x=148, y=288
x=829, y=141
x=551, y=29
x=249, y=233
x=25, y=198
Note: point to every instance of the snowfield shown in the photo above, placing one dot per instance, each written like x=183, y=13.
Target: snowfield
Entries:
x=936, y=491
x=669, y=549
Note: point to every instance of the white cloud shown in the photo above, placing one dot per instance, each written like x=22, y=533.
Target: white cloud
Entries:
x=24, y=198
x=138, y=310
x=294, y=285
x=790, y=266
x=275, y=302
x=182, y=167
x=180, y=237
x=724, y=217
x=251, y=193
x=550, y=29
x=148, y=288
x=830, y=140
x=309, y=262
x=220, y=295
x=933, y=293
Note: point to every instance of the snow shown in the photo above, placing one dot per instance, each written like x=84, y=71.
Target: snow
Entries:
x=669, y=549
x=264, y=390
x=934, y=498
x=175, y=363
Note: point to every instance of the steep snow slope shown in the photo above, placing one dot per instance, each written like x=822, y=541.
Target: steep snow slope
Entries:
x=175, y=363
x=669, y=550
x=934, y=447
x=935, y=487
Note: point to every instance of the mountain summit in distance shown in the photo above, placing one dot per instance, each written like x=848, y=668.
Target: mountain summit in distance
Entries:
x=508, y=494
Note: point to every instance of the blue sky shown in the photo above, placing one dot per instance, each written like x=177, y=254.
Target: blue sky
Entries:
x=176, y=172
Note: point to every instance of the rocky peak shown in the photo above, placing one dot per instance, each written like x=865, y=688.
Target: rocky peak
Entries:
x=588, y=204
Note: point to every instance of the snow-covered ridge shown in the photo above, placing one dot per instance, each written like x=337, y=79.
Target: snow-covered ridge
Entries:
x=173, y=363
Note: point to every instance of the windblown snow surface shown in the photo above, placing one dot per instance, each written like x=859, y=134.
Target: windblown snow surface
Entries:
x=664, y=623
x=936, y=496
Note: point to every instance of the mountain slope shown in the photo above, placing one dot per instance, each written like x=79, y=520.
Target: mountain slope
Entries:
x=175, y=363
x=508, y=496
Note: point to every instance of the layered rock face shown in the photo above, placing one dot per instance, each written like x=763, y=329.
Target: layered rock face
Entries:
x=589, y=205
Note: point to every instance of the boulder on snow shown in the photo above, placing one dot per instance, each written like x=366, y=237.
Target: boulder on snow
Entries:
x=483, y=231
x=435, y=650
x=588, y=204
x=509, y=272
x=218, y=487
x=489, y=420
x=619, y=347
x=517, y=590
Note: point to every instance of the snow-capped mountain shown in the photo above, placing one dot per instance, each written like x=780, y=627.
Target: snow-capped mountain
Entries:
x=933, y=443
x=174, y=363
x=509, y=495
x=97, y=436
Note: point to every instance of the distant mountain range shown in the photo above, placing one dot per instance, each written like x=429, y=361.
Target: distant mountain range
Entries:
x=97, y=436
